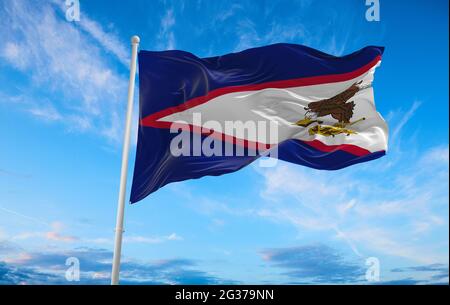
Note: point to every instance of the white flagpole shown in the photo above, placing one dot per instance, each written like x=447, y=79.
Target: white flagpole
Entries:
x=124, y=169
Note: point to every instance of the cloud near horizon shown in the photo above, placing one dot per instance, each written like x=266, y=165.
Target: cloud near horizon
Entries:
x=315, y=264
x=95, y=266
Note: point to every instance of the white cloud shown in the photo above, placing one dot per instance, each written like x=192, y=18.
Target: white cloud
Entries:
x=383, y=241
x=331, y=37
x=107, y=40
x=401, y=204
x=23, y=216
x=439, y=155
x=48, y=113
x=405, y=118
x=248, y=35
x=53, y=235
x=166, y=35
x=11, y=52
x=174, y=236
x=142, y=239
x=228, y=13
x=168, y=20
x=352, y=204
x=67, y=67
x=137, y=239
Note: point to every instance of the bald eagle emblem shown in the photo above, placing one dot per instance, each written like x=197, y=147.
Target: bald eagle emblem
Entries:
x=339, y=107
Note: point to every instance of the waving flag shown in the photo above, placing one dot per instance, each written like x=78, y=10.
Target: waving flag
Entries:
x=295, y=103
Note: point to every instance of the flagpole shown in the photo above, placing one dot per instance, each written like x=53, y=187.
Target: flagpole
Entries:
x=124, y=169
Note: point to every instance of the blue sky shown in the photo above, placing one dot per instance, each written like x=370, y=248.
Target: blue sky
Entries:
x=62, y=108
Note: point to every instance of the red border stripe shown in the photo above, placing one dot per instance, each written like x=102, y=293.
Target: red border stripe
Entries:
x=353, y=149
x=316, y=144
x=152, y=119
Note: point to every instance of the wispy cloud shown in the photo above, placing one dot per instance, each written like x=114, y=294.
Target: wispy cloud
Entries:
x=54, y=234
x=352, y=203
x=166, y=35
x=228, y=13
x=436, y=155
x=45, y=112
x=21, y=215
x=72, y=82
x=12, y=53
x=405, y=118
x=152, y=240
x=250, y=36
x=108, y=41
x=330, y=34
x=391, y=243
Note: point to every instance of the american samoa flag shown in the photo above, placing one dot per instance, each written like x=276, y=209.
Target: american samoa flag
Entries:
x=211, y=116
